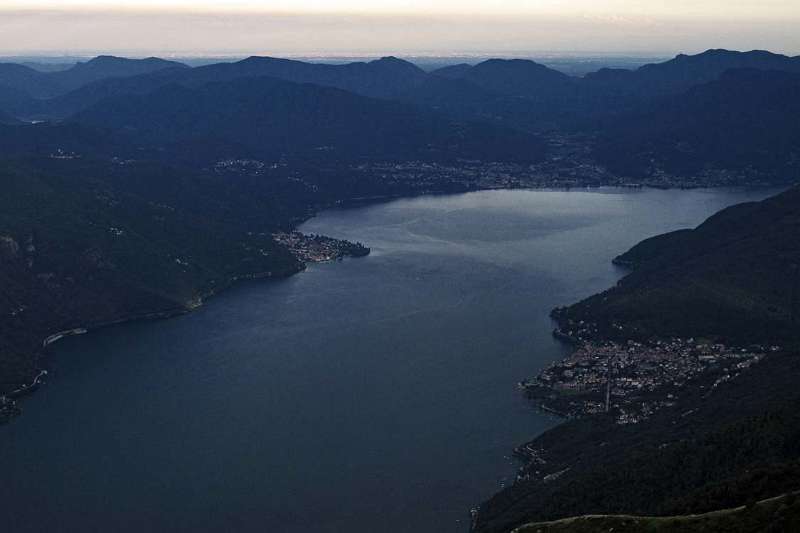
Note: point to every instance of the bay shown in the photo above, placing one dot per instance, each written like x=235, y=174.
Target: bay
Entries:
x=373, y=394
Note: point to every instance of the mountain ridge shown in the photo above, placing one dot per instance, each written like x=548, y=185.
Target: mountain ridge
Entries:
x=39, y=84
x=269, y=118
x=744, y=121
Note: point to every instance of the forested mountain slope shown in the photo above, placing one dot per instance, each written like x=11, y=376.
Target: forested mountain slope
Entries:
x=735, y=277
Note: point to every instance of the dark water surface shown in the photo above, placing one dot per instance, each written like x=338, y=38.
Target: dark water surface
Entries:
x=373, y=395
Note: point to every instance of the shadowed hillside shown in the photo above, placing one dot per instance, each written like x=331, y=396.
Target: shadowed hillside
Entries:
x=270, y=118
x=775, y=515
x=735, y=277
x=746, y=122
x=83, y=244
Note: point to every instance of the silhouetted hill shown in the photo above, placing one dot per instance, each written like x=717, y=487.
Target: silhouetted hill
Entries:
x=103, y=67
x=550, y=96
x=270, y=118
x=48, y=84
x=484, y=90
x=747, y=122
x=84, y=243
x=91, y=93
x=27, y=81
x=512, y=77
x=685, y=71
x=735, y=277
x=517, y=93
x=388, y=77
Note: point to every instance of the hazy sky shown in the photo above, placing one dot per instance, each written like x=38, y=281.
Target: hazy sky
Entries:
x=398, y=26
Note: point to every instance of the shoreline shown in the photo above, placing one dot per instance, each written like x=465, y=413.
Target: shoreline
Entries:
x=8, y=407
x=191, y=305
x=233, y=281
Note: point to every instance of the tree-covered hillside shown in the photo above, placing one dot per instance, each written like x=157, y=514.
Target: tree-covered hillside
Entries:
x=746, y=122
x=720, y=442
x=85, y=243
x=735, y=277
x=269, y=118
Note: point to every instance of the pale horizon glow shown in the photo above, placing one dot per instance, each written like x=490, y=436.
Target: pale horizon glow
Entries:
x=402, y=26
x=652, y=8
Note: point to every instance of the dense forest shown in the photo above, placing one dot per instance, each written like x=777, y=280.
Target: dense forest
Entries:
x=734, y=278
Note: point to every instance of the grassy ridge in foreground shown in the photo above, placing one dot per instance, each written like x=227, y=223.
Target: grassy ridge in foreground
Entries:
x=781, y=513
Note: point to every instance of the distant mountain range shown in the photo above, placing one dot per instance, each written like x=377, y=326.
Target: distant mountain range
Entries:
x=685, y=71
x=39, y=84
x=384, y=78
x=390, y=78
x=744, y=122
x=270, y=118
x=104, y=67
x=644, y=122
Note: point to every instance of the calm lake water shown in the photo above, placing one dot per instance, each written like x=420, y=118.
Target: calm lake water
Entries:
x=372, y=395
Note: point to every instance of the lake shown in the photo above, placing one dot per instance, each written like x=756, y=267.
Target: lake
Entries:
x=371, y=395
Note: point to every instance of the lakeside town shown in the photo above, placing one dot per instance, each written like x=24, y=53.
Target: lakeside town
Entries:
x=633, y=380
x=629, y=381
x=318, y=248
x=570, y=163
